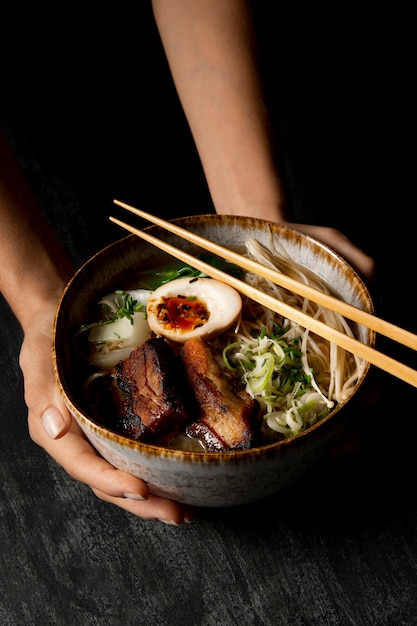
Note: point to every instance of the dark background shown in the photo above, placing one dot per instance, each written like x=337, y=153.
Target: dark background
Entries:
x=87, y=103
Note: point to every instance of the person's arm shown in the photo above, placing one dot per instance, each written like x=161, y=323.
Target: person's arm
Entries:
x=33, y=273
x=36, y=266
x=211, y=49
x=208, y=44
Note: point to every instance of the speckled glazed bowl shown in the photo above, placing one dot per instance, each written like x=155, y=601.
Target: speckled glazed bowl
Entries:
x=200, y=478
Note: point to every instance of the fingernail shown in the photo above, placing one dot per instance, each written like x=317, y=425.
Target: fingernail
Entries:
x=134, y=496
x=53, y=422
x=170, y=522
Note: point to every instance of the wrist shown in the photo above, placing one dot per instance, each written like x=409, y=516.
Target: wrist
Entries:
x=31, y=303
x=269, y=206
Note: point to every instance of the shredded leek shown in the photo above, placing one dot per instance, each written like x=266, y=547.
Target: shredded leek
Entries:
x=271, y=370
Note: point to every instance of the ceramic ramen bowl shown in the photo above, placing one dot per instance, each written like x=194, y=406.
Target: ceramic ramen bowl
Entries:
x=212, y=479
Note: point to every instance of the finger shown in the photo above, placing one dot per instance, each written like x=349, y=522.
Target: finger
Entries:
x=154, y=508
x=338, y=241
x=83, y=463
x=41, y=391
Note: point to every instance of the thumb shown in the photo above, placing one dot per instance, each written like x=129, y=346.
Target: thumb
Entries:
x=55, y=420
x=42, y=394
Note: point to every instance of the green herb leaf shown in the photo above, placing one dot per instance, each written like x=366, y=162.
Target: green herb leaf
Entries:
x=128, y=306
x=152, y=279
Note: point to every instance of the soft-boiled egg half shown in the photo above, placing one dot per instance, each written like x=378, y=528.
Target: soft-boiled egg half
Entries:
x=192, y=307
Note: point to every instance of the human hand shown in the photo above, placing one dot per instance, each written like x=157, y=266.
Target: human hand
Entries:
x=336, y=240
x=52, y=427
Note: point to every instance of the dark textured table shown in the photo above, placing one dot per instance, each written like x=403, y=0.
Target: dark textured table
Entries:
x=338, y=548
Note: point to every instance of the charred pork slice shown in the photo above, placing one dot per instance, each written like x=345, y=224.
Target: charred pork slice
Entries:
x=154, y=392
x=227, y=420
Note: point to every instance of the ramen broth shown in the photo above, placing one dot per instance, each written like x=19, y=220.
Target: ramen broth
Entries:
x=296, y=376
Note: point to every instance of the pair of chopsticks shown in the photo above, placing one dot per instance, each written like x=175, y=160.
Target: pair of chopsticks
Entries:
x=383, y=361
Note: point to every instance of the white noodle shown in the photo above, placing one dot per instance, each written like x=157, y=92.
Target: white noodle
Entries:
x=333, y=371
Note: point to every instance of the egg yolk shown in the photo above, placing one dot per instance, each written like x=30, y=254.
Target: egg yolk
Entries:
x=182, y=313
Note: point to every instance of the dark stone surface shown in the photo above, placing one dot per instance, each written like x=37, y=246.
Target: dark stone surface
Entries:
x=340, y=547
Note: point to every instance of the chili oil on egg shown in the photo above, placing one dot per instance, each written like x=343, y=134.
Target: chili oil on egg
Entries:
x=193, y=307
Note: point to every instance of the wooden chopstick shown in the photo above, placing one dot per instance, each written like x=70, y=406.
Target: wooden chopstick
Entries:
x=383, y=361
x=332, y=303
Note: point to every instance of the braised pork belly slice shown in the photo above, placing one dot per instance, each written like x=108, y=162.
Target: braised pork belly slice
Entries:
x=154, y=397
x=227, y=420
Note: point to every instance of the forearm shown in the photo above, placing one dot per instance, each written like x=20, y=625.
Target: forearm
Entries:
x=210, y=48
x=34, y=266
